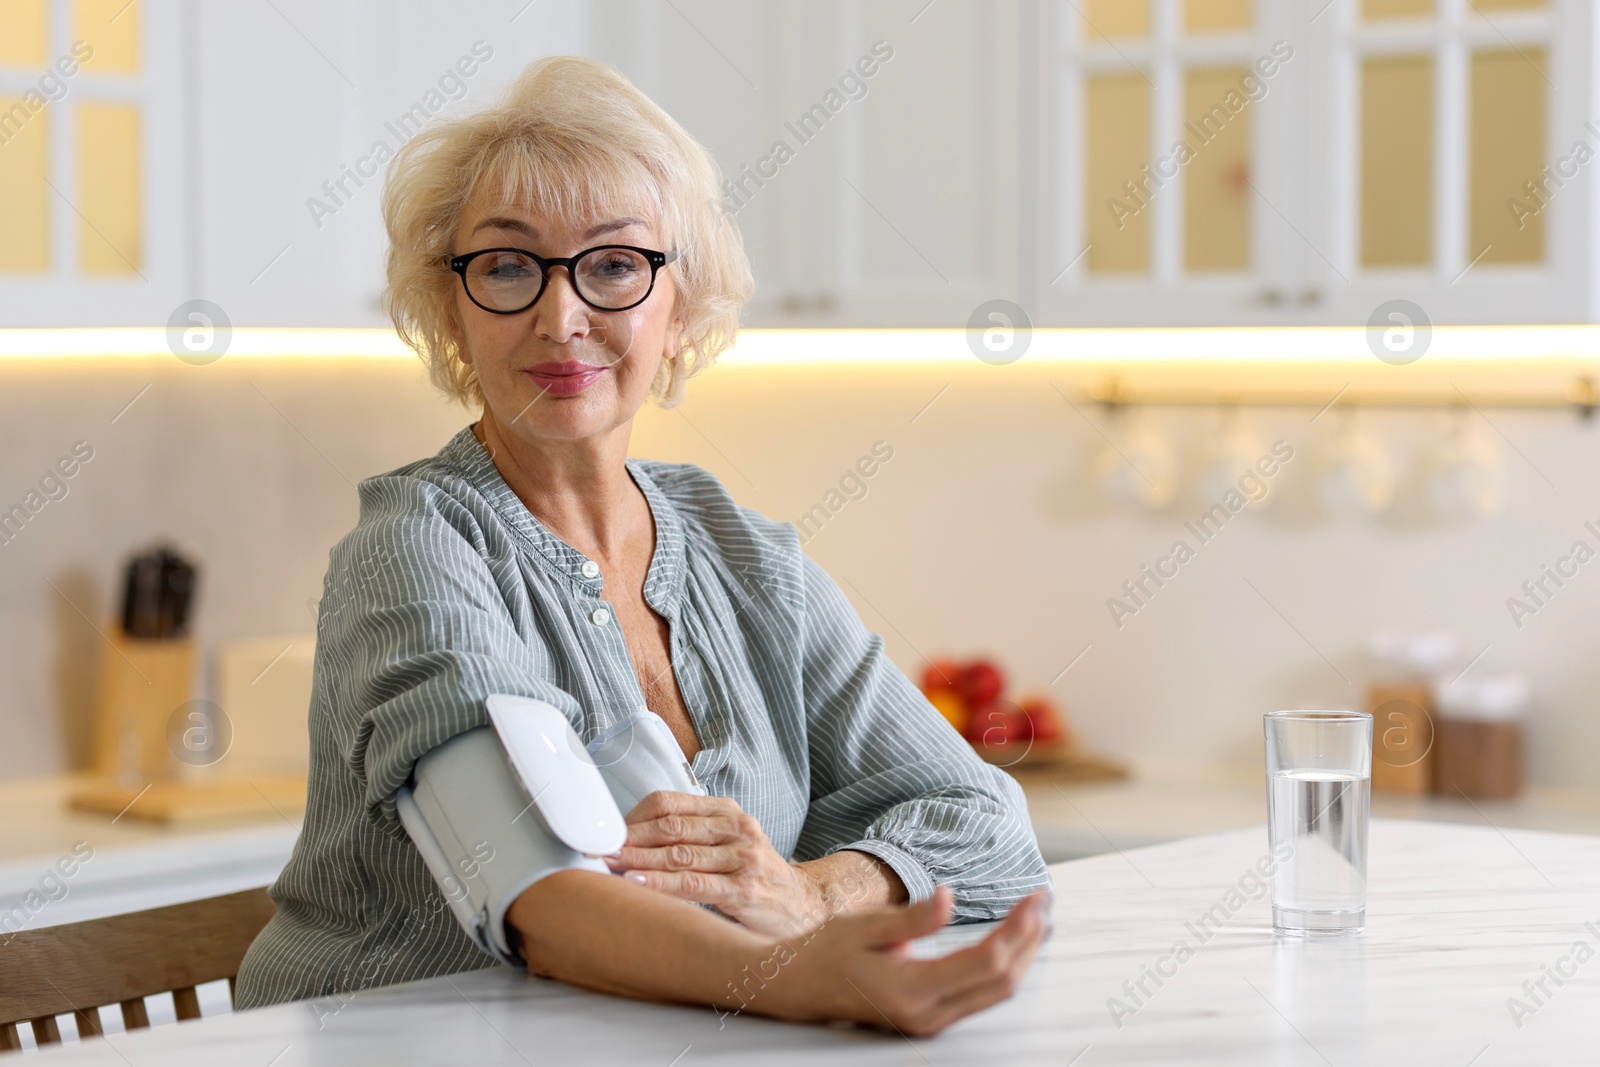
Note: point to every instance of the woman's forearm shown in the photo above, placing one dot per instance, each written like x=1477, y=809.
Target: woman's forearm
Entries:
x=607, y=934
x=613, y=936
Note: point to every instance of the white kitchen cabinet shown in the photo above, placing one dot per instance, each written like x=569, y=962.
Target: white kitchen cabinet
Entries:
x=1507, y=82
x=962, y=168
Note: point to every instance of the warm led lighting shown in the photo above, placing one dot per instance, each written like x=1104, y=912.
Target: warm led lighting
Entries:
x=1281, y=345
x=248, y=342
x=1273, y=345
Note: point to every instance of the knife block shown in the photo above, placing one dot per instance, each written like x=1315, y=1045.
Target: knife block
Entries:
x=134, y=771
x=142, y=683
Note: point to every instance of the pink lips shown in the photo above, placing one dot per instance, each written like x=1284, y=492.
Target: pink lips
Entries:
x=566, y=378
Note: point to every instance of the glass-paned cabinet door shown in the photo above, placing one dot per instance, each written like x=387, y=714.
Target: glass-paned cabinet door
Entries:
x=1167, y=178
x=1278, y=161
x=1450, y=157
x=91, y=156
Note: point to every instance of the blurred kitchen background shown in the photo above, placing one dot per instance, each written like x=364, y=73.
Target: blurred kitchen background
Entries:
x=1357, y=224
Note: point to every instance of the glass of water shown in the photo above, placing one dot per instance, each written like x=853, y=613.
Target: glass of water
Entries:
x=1319, y=792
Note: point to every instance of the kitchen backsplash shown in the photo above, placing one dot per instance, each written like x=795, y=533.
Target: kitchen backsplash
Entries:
x=963, y=510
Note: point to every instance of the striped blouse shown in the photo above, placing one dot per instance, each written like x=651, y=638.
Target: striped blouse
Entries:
x=449, y=590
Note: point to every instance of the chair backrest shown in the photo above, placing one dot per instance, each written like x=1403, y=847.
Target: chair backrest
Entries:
x=81, y=967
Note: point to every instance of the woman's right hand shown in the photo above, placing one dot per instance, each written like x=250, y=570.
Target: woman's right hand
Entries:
x=859, y=967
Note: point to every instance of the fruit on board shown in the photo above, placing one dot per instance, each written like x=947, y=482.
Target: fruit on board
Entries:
x=951, y=706
x=941, y=674
x=970, y=695
x=981, y=683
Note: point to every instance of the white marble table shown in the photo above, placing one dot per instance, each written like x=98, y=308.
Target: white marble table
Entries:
x=1458, y=918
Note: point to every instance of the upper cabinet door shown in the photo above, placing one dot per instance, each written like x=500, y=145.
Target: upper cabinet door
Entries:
x=1449, y=155
x=1171, y=193
x=92, y=161
x=931, y=163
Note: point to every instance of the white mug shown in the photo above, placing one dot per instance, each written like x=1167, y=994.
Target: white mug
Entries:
x=1354, y=477
x=1139, y=472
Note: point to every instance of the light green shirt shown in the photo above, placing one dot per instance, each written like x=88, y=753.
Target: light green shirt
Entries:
x=449, y=590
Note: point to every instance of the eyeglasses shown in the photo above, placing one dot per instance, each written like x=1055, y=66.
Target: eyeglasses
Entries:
x=507, y=281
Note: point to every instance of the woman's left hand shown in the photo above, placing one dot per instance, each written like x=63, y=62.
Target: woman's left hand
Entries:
x=709, y=850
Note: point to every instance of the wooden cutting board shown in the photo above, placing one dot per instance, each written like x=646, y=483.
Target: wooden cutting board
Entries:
x=177, y=801
x=1053, y=762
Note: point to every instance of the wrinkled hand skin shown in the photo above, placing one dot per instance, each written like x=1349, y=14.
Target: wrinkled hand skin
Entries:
x=710, y=851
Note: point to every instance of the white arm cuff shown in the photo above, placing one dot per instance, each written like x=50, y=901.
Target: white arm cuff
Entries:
x=495, y=809
x=481, y=836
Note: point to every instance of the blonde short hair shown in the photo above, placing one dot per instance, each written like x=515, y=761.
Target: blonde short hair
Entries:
x=571, y=138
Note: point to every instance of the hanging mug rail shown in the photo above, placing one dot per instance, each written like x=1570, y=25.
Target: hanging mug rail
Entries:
x=1580, y=394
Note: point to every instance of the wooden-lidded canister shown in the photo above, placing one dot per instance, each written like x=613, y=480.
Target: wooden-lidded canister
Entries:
x=1480, y=736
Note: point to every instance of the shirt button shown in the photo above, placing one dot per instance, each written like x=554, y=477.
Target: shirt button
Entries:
x=590, y=568
x=600, y=616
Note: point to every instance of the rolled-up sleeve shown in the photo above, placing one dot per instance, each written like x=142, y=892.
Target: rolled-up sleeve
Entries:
x=890, y=777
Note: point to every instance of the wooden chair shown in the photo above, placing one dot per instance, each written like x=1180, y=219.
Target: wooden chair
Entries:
x=121, y=960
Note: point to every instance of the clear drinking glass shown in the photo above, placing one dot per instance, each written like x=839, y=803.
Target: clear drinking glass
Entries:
x=1319, y=793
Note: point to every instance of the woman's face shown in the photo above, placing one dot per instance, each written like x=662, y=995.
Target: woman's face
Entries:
x=562, y=370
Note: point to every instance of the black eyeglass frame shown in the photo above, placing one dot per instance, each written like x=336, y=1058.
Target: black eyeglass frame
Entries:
x=657, y=260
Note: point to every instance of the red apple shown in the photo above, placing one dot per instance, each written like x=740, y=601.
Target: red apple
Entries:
x=997, y=729
x=1043, y=718
x=981, y=683
x=978, y=720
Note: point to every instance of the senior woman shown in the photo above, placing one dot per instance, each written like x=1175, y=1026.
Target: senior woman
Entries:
x=557, y=259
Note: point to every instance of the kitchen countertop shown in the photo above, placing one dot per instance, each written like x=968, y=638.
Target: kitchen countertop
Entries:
x=132, y=865
x=1166, y=801
x=1459, y=918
